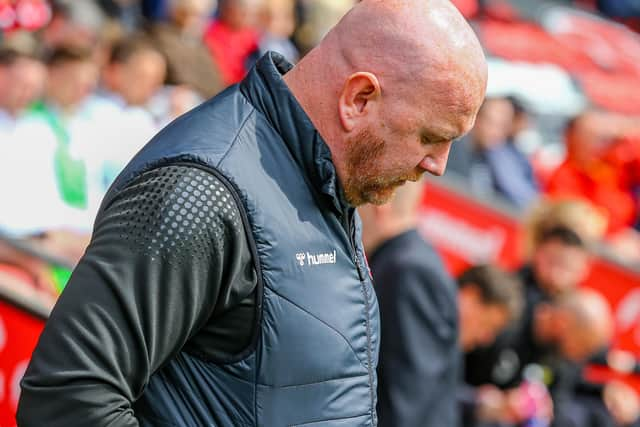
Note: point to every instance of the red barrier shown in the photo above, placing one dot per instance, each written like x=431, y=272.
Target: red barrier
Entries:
x=19, y=332
x=467, y=232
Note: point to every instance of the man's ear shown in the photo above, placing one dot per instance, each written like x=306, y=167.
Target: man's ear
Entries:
x=359, y=90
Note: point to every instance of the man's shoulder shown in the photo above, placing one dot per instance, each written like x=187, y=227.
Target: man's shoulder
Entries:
x=203, y=135
x=177, y=211
x=410, y=252
x=218, y=118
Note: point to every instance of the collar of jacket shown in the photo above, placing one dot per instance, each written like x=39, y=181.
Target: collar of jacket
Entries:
x=266, y=91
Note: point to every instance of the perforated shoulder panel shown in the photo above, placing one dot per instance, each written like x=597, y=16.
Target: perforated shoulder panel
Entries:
x=176, y=212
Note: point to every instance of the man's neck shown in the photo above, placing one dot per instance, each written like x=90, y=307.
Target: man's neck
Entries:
x=312, y=85
x=301, y=81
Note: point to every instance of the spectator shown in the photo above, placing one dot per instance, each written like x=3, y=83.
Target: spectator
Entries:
x=602, y=166
x=180, y=39
x=523, y=135
x=135, y=72
x=21, y=82
x=233, y=38
x=279, y=22
x=561, y=234
x=66, y=136
x=589, y=173
x=27, y=207
x=488, y=162
x=580, y=216
x=418, y=368
x=559, y=335
x=133, y=75
x=73, y=23
x=488, y=300
x=59, y=191
x=420, y=356
x=560, y=262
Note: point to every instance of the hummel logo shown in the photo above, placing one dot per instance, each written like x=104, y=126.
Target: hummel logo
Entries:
x=300, y=257
x=306, y=258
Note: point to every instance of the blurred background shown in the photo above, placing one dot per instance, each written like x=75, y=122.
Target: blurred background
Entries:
x=84, y=84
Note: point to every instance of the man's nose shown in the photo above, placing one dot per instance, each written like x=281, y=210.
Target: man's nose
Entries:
x=435, y=162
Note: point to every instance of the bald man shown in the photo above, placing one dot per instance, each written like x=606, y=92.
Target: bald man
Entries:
x=225, y=284
x=566, y=334
x=578, y=325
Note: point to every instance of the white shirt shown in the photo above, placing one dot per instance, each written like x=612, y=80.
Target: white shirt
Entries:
x=30, y=202
x=104, y=135
x=7, y=127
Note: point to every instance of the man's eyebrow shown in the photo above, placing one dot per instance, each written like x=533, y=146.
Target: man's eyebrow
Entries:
x=435, y=137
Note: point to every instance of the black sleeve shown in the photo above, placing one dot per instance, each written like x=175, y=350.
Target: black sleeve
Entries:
x=420, y=352
x=167, y=254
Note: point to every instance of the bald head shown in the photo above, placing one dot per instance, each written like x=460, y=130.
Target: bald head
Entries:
x=408, y=41
x=590, y=324
x=389, y=88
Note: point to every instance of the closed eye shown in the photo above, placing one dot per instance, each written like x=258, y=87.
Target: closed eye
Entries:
x=431, y=140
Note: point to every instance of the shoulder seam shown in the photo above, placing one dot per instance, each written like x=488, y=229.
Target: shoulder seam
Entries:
x=237, y=135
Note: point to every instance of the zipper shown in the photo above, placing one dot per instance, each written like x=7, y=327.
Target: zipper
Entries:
x=350, y=217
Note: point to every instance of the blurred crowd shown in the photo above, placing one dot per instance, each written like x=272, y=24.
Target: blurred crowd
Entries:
x=505, y=349
x=81, y=95
x=600, y=165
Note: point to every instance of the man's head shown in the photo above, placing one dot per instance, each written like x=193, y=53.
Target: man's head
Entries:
x=488, y=299
x=578, y=325
x=278, y=17
x=240, y=14
x=136, y=70
x=382, y=222
x=73, y=23
x=494, y=123
x=72, y=76
x=521, y=120
x=389, y=88
x=21, y=80
x=191, y=16
x=588, y=136
x=560, y=260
